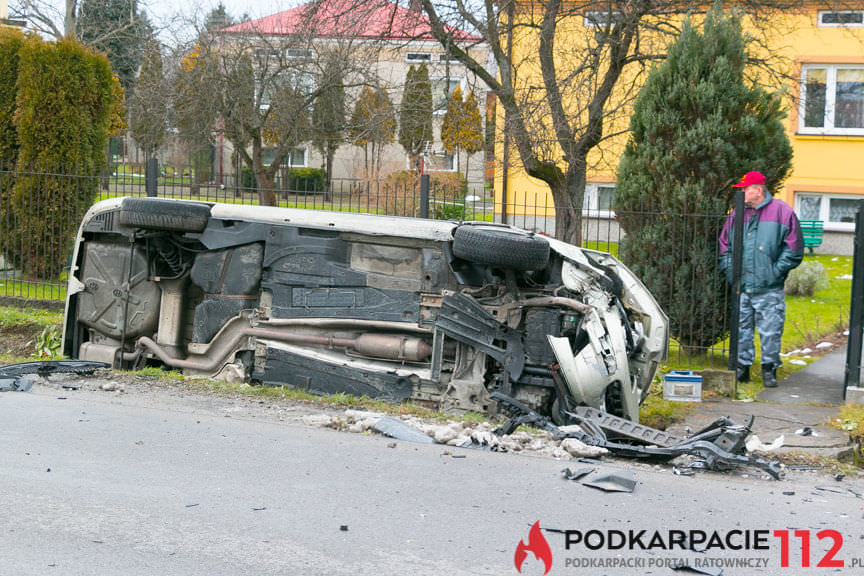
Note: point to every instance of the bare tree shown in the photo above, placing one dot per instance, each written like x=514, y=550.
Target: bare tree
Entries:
x=568, y=72
x=261, y=84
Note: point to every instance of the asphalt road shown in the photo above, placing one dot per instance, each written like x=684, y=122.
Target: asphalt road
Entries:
x=101, y=483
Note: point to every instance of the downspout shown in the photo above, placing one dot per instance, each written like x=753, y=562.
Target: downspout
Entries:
x=505, y=160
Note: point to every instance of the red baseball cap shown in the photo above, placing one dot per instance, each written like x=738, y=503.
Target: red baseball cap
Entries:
x=749, y=179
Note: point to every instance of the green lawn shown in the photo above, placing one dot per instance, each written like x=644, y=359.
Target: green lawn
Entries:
x=12, y=317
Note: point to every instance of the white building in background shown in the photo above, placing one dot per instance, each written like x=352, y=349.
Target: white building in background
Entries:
x=402, y=38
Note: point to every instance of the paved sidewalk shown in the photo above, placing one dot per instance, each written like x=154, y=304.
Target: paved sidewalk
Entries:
x=819, y=383
x=772, y=420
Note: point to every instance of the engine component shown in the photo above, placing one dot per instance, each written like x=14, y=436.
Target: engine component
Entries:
x=103, y=303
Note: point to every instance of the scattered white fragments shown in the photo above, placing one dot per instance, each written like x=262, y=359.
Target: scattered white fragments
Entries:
x=755, y=445
x=822, y=345
x=844, y=277
x=465, y=434
x=798, y=362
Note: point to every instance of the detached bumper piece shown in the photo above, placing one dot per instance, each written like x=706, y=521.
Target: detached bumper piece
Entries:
x=18, y=377
x=719, y=446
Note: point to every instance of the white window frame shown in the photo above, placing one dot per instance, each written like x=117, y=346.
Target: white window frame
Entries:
x=825, y=209
x=591, y=201
x=454, y=161
x=822, y=13
x=830, y=100
x=411, y=57
x=305, y=163
x=443, y=58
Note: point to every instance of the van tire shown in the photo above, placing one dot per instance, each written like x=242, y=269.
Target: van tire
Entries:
x=160, y=214
x=501, y=247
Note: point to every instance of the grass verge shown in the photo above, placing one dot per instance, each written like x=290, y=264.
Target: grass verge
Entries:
x=851, y=421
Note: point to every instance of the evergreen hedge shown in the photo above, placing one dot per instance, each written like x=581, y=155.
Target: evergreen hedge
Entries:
x=64, y=99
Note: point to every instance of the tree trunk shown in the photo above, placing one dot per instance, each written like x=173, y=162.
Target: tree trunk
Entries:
x=467, y=156
x=328, y=172
x=266, y=188
x=70, y=19
x=263, y=177
x=568, y=196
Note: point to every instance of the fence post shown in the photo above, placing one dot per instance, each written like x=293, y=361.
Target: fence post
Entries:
x=424, y=196
x=856, y=307
x=151, y=177
x=737, y=265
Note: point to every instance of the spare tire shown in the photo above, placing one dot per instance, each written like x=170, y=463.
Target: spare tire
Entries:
x=501, y=247
x=160, y=214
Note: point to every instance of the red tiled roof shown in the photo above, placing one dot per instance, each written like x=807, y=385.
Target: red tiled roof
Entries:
x=379, y=19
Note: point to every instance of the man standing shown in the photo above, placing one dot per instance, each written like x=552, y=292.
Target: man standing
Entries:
x=773, y=246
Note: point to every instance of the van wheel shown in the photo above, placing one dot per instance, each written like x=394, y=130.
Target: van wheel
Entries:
x=501, y=247
x=160, y=214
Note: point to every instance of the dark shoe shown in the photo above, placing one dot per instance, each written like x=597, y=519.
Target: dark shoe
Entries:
x=742, y=374
x=769, y=376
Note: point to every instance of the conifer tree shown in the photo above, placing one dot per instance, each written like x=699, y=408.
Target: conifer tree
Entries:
x=415, y=114
x=697, y=126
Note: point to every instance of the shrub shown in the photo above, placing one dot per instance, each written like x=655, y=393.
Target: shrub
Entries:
x=10, y=46
x=304, y=180
x=247, y=179
x=400, y=194
x=806, y=279
x=65, y=95
x=697, y=125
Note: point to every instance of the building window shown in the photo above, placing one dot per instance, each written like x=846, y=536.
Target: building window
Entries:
x=442, y=88
x=832, y=99
x=418, y=57
x=598, y=200
x=442, y=58
x=298, y=54
x=601, y=18
x=296, y=157
x=845, y=18
x=836, y=211
x=439, y=162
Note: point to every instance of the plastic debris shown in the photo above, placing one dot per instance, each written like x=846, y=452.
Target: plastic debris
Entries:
x=395, y=428
x=616, y=482
x=755, y=445
x=570, y=474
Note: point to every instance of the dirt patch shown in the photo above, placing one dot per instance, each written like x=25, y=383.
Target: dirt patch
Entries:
x=18, y=340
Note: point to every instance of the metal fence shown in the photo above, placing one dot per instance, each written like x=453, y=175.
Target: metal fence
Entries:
x=37, y=232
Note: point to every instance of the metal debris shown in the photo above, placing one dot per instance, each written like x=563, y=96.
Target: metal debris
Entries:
x=570, y=474
x=833, y=489
x=719, y=446
x=616, y=482
x=682, y=471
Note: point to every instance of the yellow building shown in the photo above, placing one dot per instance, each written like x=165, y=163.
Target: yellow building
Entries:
x=825, y=101
x=4, y=17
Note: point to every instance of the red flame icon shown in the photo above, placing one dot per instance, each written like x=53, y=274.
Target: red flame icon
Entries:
x=536, y=544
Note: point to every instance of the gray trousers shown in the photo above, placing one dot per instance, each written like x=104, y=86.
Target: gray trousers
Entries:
x=767, y=314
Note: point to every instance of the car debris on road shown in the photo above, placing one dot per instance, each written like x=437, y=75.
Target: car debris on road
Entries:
x=20, y=377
